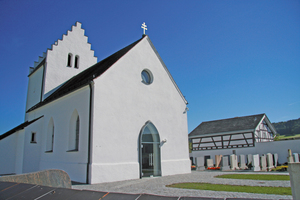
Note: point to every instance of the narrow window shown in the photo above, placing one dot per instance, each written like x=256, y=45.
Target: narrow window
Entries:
x=76, y=65
x=50, y=136
x=33, y=137
x=69, y=60
x=77, y=134
x=74, y=131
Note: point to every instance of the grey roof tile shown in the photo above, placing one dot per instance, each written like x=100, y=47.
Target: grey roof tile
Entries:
x=227, y=125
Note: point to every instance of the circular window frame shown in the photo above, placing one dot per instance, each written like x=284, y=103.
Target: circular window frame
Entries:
x=150, y=76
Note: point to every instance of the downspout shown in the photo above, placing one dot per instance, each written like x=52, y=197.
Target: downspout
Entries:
x=88, y=172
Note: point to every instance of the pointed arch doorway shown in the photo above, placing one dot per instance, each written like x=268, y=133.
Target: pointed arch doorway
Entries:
x=150, y=162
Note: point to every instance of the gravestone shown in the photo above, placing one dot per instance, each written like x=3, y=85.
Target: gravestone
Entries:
x=233, y=161
x=263, y=163
x=242, y=162
x=200, y=163
x=255, y=164
x=210, y=162
x=224, y=164
x=296, y=157
x=270, y=161
x=275, y=159
x=218, y=159
x=290, y=158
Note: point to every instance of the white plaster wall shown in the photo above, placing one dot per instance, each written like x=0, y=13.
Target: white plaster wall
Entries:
x=11, y=152
x=32, y=151
x=74, y=163
x=19, y=152
x=279, y=147
x=34, y=90
x=74, y=42
x=122, y=106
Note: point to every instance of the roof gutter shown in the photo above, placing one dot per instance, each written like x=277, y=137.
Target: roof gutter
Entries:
x=89, y=160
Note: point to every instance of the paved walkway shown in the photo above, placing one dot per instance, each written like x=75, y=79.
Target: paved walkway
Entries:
x=157, y=186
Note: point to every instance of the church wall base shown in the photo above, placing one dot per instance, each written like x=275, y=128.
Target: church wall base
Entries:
x=172, y=167
x=110, y=172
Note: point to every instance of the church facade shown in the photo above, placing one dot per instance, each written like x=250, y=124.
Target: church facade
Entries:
x=119, y=119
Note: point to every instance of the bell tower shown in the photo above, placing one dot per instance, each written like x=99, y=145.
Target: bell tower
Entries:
x=67, y=57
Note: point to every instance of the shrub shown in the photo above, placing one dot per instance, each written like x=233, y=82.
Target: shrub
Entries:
x=280, y=168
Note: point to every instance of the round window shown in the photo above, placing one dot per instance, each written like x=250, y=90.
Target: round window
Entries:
x=147, y=76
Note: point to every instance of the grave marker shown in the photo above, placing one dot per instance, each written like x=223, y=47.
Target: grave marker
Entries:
x=210, y=162
x=224, y=164
x=290, y=157
x=200, y=163
x=255, y=164
x=270, y=161
x=233, y=161
x=275, y=159
x=218, y=159
x=242, y=162
x=263, y=163
x=296, y=157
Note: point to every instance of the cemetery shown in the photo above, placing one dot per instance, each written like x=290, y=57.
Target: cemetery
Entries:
x=257, y=162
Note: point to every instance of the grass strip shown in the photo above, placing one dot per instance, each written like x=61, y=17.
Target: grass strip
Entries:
x=234, y=188
x=268, y=177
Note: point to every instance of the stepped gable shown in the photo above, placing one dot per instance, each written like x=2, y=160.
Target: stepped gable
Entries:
x=228, y=125
x=86, y=76
x=41, y=59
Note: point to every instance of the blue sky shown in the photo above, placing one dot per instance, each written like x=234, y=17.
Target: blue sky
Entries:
x=229, y=58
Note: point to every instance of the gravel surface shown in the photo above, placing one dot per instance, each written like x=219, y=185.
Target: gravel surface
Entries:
x=157, y=185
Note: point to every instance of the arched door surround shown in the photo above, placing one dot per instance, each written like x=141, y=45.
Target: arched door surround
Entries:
x=149, y=153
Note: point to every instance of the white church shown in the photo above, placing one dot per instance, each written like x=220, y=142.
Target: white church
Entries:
x=118, y=119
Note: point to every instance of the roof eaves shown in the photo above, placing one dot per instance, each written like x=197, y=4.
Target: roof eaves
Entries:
x=36, y=68
x=168, y=72
x=85, y=77
x=17, y=128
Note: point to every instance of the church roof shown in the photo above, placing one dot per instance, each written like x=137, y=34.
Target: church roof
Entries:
x=17, y=128
x=237, y=124
x=86, y=76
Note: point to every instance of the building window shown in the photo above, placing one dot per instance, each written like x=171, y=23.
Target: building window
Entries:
x=77, y=133
x=50, y=136
x=70, y=60
x=33, y=137
x=76, y=64
x=147, y=76
x=74, y=131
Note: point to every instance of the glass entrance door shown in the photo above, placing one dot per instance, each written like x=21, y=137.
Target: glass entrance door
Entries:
x=150, y=163
x=147, y=160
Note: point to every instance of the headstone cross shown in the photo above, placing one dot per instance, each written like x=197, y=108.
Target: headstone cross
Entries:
x=144, y=26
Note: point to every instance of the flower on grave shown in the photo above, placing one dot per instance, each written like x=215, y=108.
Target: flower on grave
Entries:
x=213, y=168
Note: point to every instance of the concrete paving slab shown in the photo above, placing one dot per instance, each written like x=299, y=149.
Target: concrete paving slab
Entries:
x=155, y=197
x=60, y=194
x=15, y=189
x=120, y=196
x=199, y=198
x=32, y=193
x=88, y=195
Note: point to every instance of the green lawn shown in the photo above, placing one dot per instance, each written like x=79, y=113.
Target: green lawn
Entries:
x=234, y=188
x=268, y=177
